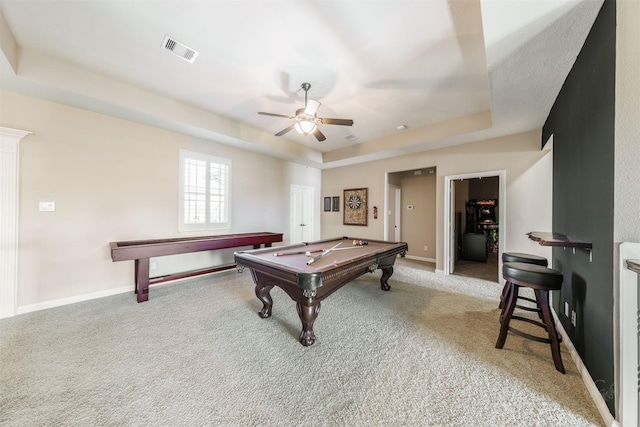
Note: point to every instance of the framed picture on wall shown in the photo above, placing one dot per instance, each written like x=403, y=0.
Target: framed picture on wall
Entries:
x=327, y=204
x=335, y=206
x=355, y=206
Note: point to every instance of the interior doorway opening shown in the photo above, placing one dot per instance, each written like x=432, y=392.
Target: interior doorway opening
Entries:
x=475, y=206
x=410, y=212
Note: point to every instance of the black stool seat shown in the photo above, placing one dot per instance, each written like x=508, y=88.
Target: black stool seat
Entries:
x=521, y=257
x=542, y=280
x=533, y=275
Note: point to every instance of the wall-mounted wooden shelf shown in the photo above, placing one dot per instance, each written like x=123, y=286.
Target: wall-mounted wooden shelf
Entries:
x=634, y=265
x=557, y=239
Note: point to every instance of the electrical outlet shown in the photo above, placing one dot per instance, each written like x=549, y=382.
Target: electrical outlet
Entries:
x=573, y=317
x=566, y=309
x=426, y=248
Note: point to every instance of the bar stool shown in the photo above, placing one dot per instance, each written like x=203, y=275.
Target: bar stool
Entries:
x=542, y=280
x=520, y=257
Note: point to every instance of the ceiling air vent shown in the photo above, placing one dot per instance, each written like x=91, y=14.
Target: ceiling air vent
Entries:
x=179, y=49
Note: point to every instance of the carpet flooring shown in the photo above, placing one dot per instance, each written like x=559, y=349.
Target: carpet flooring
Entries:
x=197, y=354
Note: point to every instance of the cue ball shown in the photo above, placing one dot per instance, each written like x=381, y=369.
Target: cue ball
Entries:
x=308, y=253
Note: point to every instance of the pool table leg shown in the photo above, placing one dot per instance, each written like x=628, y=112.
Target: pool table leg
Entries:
x=263, y=294
x=308, y=315
x=386, y=273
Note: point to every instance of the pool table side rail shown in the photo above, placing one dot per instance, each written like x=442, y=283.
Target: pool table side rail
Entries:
x=351, y=239
x=295, y=284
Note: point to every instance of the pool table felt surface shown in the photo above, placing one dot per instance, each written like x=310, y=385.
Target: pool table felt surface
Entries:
x=298, y=262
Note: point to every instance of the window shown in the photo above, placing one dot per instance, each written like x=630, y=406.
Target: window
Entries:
x=204, y=198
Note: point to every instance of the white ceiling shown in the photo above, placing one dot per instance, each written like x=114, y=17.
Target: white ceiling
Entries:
x=452, y=71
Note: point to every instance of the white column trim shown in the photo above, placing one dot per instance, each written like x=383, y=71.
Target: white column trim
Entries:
x=628, y=357
x=9, y=151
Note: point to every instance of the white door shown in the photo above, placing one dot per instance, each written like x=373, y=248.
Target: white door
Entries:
x=393, y=223
x=301, y=226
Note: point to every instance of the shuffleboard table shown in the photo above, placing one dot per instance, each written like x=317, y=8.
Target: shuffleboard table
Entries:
x=310, y=272
x=142, y=250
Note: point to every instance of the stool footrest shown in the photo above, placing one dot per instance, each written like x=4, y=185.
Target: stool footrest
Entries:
x=529, y=336
x=533, y=337
x=528, y=299
x=533, y=322
x=522, y=307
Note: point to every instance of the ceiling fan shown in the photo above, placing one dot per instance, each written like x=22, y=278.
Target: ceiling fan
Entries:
x=306, y=119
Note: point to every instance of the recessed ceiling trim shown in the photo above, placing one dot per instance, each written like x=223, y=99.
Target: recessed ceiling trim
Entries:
x=181, y=50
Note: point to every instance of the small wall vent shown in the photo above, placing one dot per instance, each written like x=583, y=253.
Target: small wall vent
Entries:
x=179, y=49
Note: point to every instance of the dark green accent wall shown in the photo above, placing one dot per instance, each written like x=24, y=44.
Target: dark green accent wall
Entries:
x=582, y=124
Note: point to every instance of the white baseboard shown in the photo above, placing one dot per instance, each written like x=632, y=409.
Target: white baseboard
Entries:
x=100, y=294
x=592, y=388
x=72, y=300
x=419, y=258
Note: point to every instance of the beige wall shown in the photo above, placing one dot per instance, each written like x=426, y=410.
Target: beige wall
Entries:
x=115, y=180
x=418, y=225
x=528, y=187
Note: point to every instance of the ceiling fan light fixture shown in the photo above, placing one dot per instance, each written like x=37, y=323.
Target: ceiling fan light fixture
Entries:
x=305, y=127
x=306, y=120
x=312, y=107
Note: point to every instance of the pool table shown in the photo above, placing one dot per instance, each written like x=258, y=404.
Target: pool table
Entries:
x=310, y=272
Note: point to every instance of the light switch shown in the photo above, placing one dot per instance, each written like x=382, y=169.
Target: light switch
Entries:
x=47, y=206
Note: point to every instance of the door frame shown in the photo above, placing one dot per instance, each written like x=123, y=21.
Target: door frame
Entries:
x=311, y=209
x=449, y=213
x=396, y=209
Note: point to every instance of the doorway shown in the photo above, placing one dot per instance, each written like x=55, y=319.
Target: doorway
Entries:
x=301, y=215
x=474, y=206
x=410, y=212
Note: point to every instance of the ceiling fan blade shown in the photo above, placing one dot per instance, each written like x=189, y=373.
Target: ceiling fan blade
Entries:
x=275, y=115
x=319, y=135
x=312, y=107
x=283, y=131
x=341, y=122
